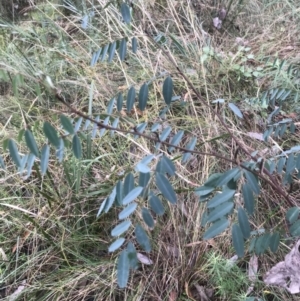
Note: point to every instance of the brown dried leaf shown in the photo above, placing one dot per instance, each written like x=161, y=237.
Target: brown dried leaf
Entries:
x=286, y=273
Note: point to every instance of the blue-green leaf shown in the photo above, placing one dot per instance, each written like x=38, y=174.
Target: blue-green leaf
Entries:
x=216, y=229
x=76, y=146
x=274, y=242
x=235, y=110
x=110, y=200
x=101, y=208
x=221, y=198
x=116, y=244
x=60, y=150
x=119, y=192
x=143, y=96
x=132, y=195
x=121, y=228
x=166, y=188
x=204, y=190
x=213, y=180
x=165, y=133
x=111, y=51
x=128, y=183
x=165, y=165
x=238, y=240
x=142, y=238
x=220, y=212
x=104, y=53
x=2, y=164
x=134, y=44
x=156, y=205
x=67, y=125
x=290, y=164
x=227, y=176
x=248, y=198
x=125, y=11
x=168, y=90
x=31, y=143
x=123, y=269
x=103, y=129
x=120, y=102
x=292, y=214
x=147, y=217
x=244, y=223
x=253, y=181
x=14, y=153
x=122, y=49
x=295, y=229
x=130, y=99
x=191, y=147
x=175, y=140
x=127, y=210
x=45, y=158
x=144, y=179
x=78, y=124
x=132, y=256
x=110, y=106
x=30, y=162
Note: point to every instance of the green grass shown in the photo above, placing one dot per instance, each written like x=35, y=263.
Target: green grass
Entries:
x=51, y=241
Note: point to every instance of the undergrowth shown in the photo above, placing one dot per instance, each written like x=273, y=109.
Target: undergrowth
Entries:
x=52, y=246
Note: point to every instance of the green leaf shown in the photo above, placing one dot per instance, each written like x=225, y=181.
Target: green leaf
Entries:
x=134, y=44
x=128, y=183
x=156, y=205
x=123, y=269
x=132, y=256
x=130, y=99
x=259, y=245
x=14, y=153
x=227, y=176
x=127, y=210
x=165, y=165
x=67, y=125
x=30, y=142
x=116, y=244
x=121, y=228
x=221, y=198
x=45, y=158
x=147, y=217
x=143, y=96
x=244, y=223
x=220, y=212
x=175, y=140
x=295, y=228
x=238, y=240
x=292, y=214
x=166, y=188
x=132, y=195
x=290, y=164
x=125, y=12
x=76, y=146
x=235, y=110
x=248, y=198
x=253, y=181
x=204, y=190
x=274, y=242
x=216, y=229
x=111, y=51
x=168, y=90
x=122, y=49
x=142, y=238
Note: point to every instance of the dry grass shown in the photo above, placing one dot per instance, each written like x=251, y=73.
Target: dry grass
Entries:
x=51, y=242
